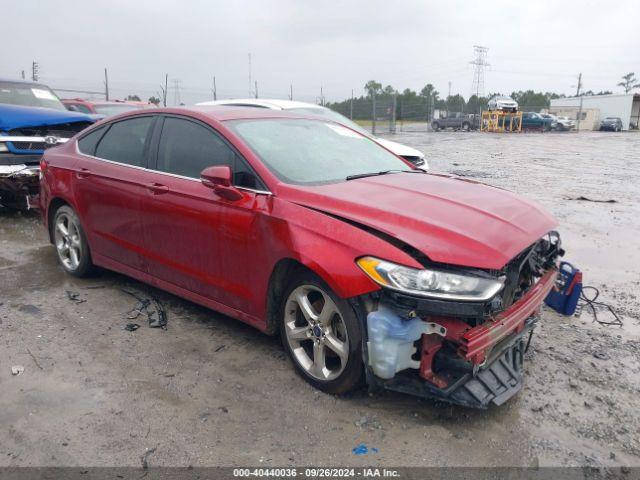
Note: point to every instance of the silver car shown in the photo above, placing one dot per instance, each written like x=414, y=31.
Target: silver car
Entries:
x=500, y=102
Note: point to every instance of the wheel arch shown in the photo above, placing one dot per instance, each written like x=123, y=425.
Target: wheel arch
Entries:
x=53, y=206
x=284, y=269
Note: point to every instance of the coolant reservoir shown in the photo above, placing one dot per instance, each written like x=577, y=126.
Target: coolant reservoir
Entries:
x=391, y=338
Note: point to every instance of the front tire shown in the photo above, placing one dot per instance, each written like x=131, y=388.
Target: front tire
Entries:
x=435, y=126
x=71, y=242
x=321, y=334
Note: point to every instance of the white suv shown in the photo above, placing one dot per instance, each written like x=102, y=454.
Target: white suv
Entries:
x=411, y=154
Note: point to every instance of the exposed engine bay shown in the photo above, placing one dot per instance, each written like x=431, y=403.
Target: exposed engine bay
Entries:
x=468, y=353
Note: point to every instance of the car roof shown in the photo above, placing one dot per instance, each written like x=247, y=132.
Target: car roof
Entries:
x=219, y=112
x=270, y=103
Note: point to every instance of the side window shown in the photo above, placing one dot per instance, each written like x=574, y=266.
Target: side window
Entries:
x=81, y=108
x=244, y=176
x=186, y=148
x=87, y=144
x=124, y=142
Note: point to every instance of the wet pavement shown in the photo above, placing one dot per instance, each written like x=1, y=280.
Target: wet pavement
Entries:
x=212, y=391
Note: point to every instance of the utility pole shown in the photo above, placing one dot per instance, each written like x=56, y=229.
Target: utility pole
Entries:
x=164, y=89
x=579, y=116
x=448, y=96
x=213, y=90
x=479, y=63
x=34, y=71
x=321, y=96
x=250, y=82
x=291, y=91
x=392, y=123
x=256, y=89
x=106, y=85
x=351, y=106
x=579, y=87
x=373, y=118
x=23, y=74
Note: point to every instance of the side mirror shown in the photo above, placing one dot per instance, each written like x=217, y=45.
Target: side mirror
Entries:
x=220, y=179
x=72, y=108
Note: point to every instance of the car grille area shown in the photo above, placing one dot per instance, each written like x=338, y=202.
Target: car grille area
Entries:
x=65, y=130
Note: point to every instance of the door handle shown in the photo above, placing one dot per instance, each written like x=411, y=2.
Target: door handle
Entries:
x=157, y=188
x=83, y=173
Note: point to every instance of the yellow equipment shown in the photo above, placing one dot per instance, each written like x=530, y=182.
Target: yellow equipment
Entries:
x=497, y=121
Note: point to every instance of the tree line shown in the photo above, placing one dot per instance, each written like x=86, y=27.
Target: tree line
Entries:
x=419, y=105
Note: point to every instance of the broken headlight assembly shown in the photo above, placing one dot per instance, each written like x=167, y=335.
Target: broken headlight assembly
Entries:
x=430, y=282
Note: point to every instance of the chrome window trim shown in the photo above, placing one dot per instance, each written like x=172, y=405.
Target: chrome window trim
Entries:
x=261, y=192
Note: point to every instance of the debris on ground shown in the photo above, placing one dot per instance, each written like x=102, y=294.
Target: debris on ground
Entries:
x=149, y=451
x=74, y=297
x=131, y=327
x=582, y=198
x=151, y=307
x=35, y=360
x=16, y=370
x=597, y=307
x=362, y=449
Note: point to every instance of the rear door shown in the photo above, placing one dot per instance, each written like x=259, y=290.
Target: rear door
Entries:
x=195, y=239
x=110, y=180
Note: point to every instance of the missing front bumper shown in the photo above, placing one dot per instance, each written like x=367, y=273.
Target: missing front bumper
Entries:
x=499, y=379
x=19, y=186
x=455, y=362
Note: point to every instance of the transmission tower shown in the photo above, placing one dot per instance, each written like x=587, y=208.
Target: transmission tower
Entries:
x=479, y=63
x=176, y=91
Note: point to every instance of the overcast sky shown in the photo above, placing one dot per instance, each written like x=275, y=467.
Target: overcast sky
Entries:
x=541, y=45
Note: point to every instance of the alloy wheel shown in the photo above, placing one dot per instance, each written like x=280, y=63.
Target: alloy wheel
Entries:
x=316, y=332
x=68, y=241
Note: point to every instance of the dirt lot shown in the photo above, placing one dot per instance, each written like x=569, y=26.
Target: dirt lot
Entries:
x=212, y=391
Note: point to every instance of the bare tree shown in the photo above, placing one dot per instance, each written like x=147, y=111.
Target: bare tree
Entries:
x=629, y=82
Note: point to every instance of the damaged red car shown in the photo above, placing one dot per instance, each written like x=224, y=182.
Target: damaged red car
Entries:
x=370, y=270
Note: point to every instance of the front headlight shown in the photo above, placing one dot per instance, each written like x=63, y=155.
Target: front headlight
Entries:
x=429, y=282
x=3, y=147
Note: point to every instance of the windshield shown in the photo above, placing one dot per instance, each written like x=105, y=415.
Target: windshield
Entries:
x=306, y=152
x=29, y=95
x=114, y=108
x=329, y=115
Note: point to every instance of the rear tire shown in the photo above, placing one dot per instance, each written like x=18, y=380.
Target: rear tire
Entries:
x=466, y=127
x=321, y=335
x=71, y=242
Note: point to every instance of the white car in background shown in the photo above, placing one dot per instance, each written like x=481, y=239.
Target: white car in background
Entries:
x=500, y=102
x=414, y=156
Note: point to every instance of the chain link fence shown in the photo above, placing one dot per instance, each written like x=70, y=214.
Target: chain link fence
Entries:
x=394, y=114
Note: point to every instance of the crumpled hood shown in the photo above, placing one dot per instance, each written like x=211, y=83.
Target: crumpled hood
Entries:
x=17, y=116
x=450, y=220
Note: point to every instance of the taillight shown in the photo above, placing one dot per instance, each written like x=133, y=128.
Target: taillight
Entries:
x=43, y=168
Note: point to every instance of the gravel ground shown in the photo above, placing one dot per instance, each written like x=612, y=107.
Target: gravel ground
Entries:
x=212, y=391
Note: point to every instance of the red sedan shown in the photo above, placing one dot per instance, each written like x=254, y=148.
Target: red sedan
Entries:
x=370, y=270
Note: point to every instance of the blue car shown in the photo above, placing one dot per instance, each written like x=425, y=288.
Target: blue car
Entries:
x=32, y=119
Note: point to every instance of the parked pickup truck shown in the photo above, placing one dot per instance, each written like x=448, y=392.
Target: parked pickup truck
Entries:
x=32, y=119
x=456, y=121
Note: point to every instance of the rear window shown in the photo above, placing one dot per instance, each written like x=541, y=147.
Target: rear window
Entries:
x=87, y=144
x=125, y=141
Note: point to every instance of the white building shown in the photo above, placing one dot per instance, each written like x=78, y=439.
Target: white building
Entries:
x=626, y=107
